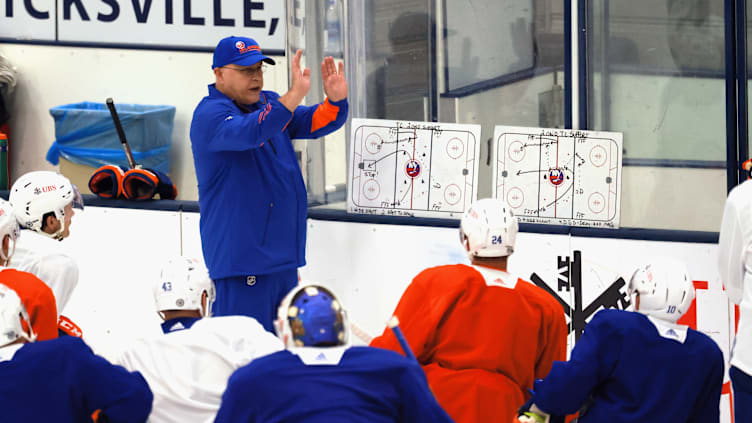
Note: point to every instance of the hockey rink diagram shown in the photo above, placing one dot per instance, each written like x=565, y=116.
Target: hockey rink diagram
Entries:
x=412, y=168
x=556, y=176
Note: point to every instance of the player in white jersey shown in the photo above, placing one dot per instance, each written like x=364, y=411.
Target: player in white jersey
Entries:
x=187, y=370
x=44, y=203
x=183, y=294
x=735, y=266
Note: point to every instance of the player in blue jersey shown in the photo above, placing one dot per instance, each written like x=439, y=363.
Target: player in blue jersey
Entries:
x=321, y=378
x=183, y=294
x=61, y=380
x=638, y=366
x=250, y=190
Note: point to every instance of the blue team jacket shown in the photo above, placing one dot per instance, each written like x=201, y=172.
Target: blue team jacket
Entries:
x=62, y=381
x=251, y=192
x=368, y=385
x=632, y=374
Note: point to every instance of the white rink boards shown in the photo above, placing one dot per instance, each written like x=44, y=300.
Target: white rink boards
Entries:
x=412, y=168
x=559, y=176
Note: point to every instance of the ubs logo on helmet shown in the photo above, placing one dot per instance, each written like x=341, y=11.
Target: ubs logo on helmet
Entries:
x=48, y=188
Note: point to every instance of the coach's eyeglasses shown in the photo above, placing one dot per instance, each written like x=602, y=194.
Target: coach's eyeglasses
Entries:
x=249, y=71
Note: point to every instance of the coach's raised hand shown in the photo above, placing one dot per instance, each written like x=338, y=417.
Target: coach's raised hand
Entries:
x=335, y=84
x=301, y=83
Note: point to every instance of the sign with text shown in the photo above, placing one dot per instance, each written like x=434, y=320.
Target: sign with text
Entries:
x=167, y=23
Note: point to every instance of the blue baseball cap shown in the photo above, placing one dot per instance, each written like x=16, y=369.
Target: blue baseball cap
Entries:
x=241, y=51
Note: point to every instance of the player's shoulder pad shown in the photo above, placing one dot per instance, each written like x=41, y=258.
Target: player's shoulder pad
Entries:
x=707, y=343
x=612, y=319
x=58, y=259
x=263, y=367
x=244, y=323
x=71, y=345
x=380, y=357
x=608, y=315
x=446, y=273
x=241, y=332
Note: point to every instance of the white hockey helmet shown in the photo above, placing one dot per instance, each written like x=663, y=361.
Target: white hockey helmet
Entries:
x=8, y=226
x=15, y=323
x=488, y=229
x=310, y=316
x=37, y=193
x=182, y=283
x=664, y=288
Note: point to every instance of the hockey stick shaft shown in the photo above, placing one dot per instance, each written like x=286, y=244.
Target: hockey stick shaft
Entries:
x=394, y=325
x=121, y=133
x=361, y=334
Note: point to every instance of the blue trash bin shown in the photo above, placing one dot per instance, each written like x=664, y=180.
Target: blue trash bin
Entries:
x=85, y=134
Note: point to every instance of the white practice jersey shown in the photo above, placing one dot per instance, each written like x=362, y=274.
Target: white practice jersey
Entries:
x=187, y=370
x=735, y=267
x=45, y=258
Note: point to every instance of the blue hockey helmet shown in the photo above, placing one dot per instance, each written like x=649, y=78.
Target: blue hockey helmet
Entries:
x=311, y=316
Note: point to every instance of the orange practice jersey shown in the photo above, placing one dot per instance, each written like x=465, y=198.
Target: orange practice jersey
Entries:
x=482, y=338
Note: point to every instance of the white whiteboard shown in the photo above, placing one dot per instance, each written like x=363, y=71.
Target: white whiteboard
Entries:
x=412, y=168
x=559, y=176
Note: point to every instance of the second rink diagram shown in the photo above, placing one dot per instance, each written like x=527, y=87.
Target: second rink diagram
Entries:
x=559, y=176
x=406, y=168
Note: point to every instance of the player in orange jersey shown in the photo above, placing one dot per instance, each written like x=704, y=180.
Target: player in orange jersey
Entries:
x=481, y=334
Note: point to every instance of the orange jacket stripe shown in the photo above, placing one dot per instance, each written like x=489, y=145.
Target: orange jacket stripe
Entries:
x=325, y=114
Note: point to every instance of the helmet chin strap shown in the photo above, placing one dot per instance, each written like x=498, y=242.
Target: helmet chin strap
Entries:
x=59, y=234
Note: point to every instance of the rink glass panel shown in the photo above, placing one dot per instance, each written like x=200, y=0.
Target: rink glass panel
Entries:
x=656, y=73
x=418, y=60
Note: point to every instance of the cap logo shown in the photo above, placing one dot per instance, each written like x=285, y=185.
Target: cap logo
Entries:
x=240, y=45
